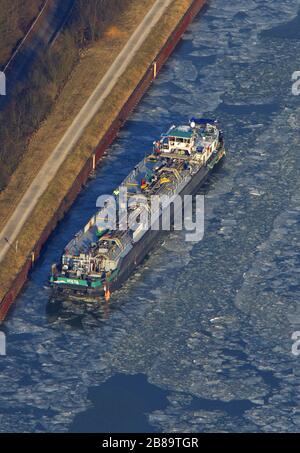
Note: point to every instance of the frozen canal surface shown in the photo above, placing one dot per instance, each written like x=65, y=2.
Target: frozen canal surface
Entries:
x=200, y=338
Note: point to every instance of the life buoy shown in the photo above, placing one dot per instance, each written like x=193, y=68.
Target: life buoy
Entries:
x=107, y=295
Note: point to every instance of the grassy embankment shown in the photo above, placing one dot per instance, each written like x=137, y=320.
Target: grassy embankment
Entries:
x=83, y=80
x=15, y=19
x=39, y=85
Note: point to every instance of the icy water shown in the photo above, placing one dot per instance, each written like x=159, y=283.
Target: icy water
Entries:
x=199, y=339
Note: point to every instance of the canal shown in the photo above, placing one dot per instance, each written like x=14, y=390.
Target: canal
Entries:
x=199, y=339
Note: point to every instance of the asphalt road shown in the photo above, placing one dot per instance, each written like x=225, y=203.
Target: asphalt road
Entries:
x=28, y=202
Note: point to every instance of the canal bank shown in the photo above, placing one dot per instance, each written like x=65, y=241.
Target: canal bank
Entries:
x=223, y=334
x=47, y=220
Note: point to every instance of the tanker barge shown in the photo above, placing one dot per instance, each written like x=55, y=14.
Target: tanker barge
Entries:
x=104, y=254
x=150, y=74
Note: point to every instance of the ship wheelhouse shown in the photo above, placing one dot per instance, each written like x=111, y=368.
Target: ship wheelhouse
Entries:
x=179, y=138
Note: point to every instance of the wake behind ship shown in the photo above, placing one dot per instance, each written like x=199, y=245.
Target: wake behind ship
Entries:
x=101, y=257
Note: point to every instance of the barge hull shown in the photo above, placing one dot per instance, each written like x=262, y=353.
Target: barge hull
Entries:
x=150, y=75
x=138, y=253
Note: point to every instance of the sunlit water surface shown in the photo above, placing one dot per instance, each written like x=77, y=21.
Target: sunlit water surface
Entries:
x=199, y=339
